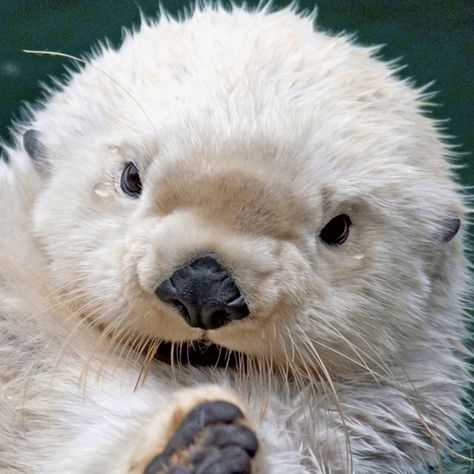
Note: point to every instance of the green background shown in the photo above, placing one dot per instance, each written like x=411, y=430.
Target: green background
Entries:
x=434, y=38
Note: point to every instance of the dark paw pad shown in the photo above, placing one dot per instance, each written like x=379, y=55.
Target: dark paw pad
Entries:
x=209, y=441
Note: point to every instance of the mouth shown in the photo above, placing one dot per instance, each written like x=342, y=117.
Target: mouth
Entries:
x=201, y=353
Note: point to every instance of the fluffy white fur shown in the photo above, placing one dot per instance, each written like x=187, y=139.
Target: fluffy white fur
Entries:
x=251, y=131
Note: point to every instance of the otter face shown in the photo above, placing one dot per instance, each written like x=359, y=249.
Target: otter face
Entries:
x=299, y=214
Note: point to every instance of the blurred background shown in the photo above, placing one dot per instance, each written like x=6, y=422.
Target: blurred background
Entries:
x=434, y=38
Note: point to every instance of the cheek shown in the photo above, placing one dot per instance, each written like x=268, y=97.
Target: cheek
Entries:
x=279, y=291
x=82, y=246
x=48, y=225
x=60, y=219
x=376, y=312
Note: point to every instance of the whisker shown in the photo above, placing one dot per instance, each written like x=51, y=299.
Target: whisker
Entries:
x=312, y=350
x=88, y=63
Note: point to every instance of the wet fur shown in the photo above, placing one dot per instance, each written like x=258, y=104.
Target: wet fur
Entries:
x=250, y=132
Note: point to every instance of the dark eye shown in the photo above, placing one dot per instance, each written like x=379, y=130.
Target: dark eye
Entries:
x=336, y=230
x=130, y=181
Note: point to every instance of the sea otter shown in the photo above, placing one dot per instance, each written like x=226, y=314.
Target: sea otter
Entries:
x=233, y=245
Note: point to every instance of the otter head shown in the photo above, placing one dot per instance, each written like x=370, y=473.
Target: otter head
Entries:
x=290, y=203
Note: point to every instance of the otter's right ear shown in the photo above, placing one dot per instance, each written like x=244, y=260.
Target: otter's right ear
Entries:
x=36, y=150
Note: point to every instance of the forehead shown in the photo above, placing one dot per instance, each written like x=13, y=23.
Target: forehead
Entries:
x=219, y=79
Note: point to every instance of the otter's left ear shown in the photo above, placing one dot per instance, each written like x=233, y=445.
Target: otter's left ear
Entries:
x=35, y=149
x=448, y=228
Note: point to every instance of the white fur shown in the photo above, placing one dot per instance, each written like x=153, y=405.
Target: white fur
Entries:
x=302, y=126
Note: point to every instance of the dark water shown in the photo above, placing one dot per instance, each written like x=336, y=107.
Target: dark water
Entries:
x=434, y=38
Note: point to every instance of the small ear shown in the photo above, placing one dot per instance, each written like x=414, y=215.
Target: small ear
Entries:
x=448, y=229
x=35, y=149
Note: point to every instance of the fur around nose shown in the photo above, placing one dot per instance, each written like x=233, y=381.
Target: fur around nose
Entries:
x=204, y=294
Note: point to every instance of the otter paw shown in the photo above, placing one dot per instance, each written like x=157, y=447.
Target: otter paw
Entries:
x=211, y=439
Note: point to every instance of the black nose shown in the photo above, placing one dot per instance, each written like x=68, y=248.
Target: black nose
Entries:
x=204, y=294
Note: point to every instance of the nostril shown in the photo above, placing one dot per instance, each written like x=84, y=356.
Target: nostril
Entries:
x=166, y=291
x=237, y=301
x=238, y=306
x=181, y=308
